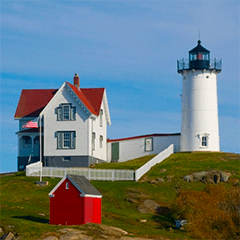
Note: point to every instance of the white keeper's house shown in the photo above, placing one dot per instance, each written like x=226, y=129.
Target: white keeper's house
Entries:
x=67, y=127
x=71, y=129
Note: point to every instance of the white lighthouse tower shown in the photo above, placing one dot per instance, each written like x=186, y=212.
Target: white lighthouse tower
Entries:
x=199, y=130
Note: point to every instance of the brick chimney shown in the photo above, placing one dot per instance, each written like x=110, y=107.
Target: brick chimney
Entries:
x=76, y=81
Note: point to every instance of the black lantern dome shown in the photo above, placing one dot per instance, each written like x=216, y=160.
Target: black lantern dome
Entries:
x=199, y=57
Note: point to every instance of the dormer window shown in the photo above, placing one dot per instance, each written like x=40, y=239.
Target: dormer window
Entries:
x=67, y=185
x=65, y=112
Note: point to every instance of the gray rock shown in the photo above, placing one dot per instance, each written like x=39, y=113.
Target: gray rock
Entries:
x=50, y=238
x=160, y=179
x=188, y=178
x=224, y=176
x=199, y=175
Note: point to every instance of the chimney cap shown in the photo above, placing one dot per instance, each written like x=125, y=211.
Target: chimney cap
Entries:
x=76, y=75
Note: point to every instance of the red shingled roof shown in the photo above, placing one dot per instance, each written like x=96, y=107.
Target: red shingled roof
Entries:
x=33, y=101
x=90, y=97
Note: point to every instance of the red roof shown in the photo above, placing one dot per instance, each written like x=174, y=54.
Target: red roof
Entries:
x=33, y=101
x=91, y=97
x=144, y=136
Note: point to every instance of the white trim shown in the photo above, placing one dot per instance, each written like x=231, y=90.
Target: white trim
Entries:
x=90, y=195
x=78, y=100
x=53, y=98
x=56, y=187
x=105, y=104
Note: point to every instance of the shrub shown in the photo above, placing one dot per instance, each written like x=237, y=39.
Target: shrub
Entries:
x=212, y=213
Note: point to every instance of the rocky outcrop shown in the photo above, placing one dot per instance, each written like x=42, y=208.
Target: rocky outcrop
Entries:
x=212, y=176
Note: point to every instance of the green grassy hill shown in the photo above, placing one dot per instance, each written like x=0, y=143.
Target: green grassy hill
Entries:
x=25, y=206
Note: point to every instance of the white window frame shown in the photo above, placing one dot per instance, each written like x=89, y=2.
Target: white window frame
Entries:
x=205, y=140
x=101, y=141
x=93, y=140
x=101, y=118
x=65, y=112
x=61, y=141
x=145, y=144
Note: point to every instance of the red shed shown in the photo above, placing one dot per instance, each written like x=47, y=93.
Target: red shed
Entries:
x=75, y=201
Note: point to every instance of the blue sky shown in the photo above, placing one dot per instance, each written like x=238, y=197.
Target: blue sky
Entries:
x=128, y=47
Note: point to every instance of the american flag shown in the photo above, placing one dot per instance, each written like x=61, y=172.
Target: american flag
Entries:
x=31, y=124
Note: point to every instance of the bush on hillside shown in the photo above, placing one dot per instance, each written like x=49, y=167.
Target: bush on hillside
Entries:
x=212, y=213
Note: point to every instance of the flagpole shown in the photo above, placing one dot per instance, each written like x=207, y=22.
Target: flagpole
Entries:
x=40, y=132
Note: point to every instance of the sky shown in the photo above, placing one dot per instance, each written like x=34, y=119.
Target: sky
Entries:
x=130, y=48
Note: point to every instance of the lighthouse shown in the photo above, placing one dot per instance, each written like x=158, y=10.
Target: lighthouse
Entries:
x=199, y=129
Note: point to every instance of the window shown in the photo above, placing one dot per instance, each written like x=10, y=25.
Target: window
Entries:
x=101, y=141
x=66, y=140
x=67, y=185
x=148, y=144
x=101, y=118
x=93, y=140
x=204, y=141
x=65, y=112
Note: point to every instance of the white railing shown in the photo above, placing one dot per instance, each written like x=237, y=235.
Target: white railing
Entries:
x=157, y=159
x=34, y=169
x=91, y=174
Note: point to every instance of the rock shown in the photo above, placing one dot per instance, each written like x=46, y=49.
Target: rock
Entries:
x=50, y=238
x=225, y=176
x=143, y=220
x=160, y=179
x=163, y=170
x=41, y=214
x=152, y=181
x=7, y=236
x=199, y=175
x=41, y=184
x=188, y=178
x=148, y=206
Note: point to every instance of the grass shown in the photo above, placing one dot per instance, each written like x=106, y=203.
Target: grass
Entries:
x=131, y=165
x=25, y=206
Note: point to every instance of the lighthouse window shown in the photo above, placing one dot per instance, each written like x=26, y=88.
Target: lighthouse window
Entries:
x=204, y=141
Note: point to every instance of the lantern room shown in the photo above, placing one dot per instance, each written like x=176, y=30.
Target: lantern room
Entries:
x=199, y=57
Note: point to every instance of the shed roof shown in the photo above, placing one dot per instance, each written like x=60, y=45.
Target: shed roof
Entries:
x=81, y=183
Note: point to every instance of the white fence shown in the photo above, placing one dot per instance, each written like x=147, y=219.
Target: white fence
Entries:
x=34, y=169
x=157, y=159
x=91, y=174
